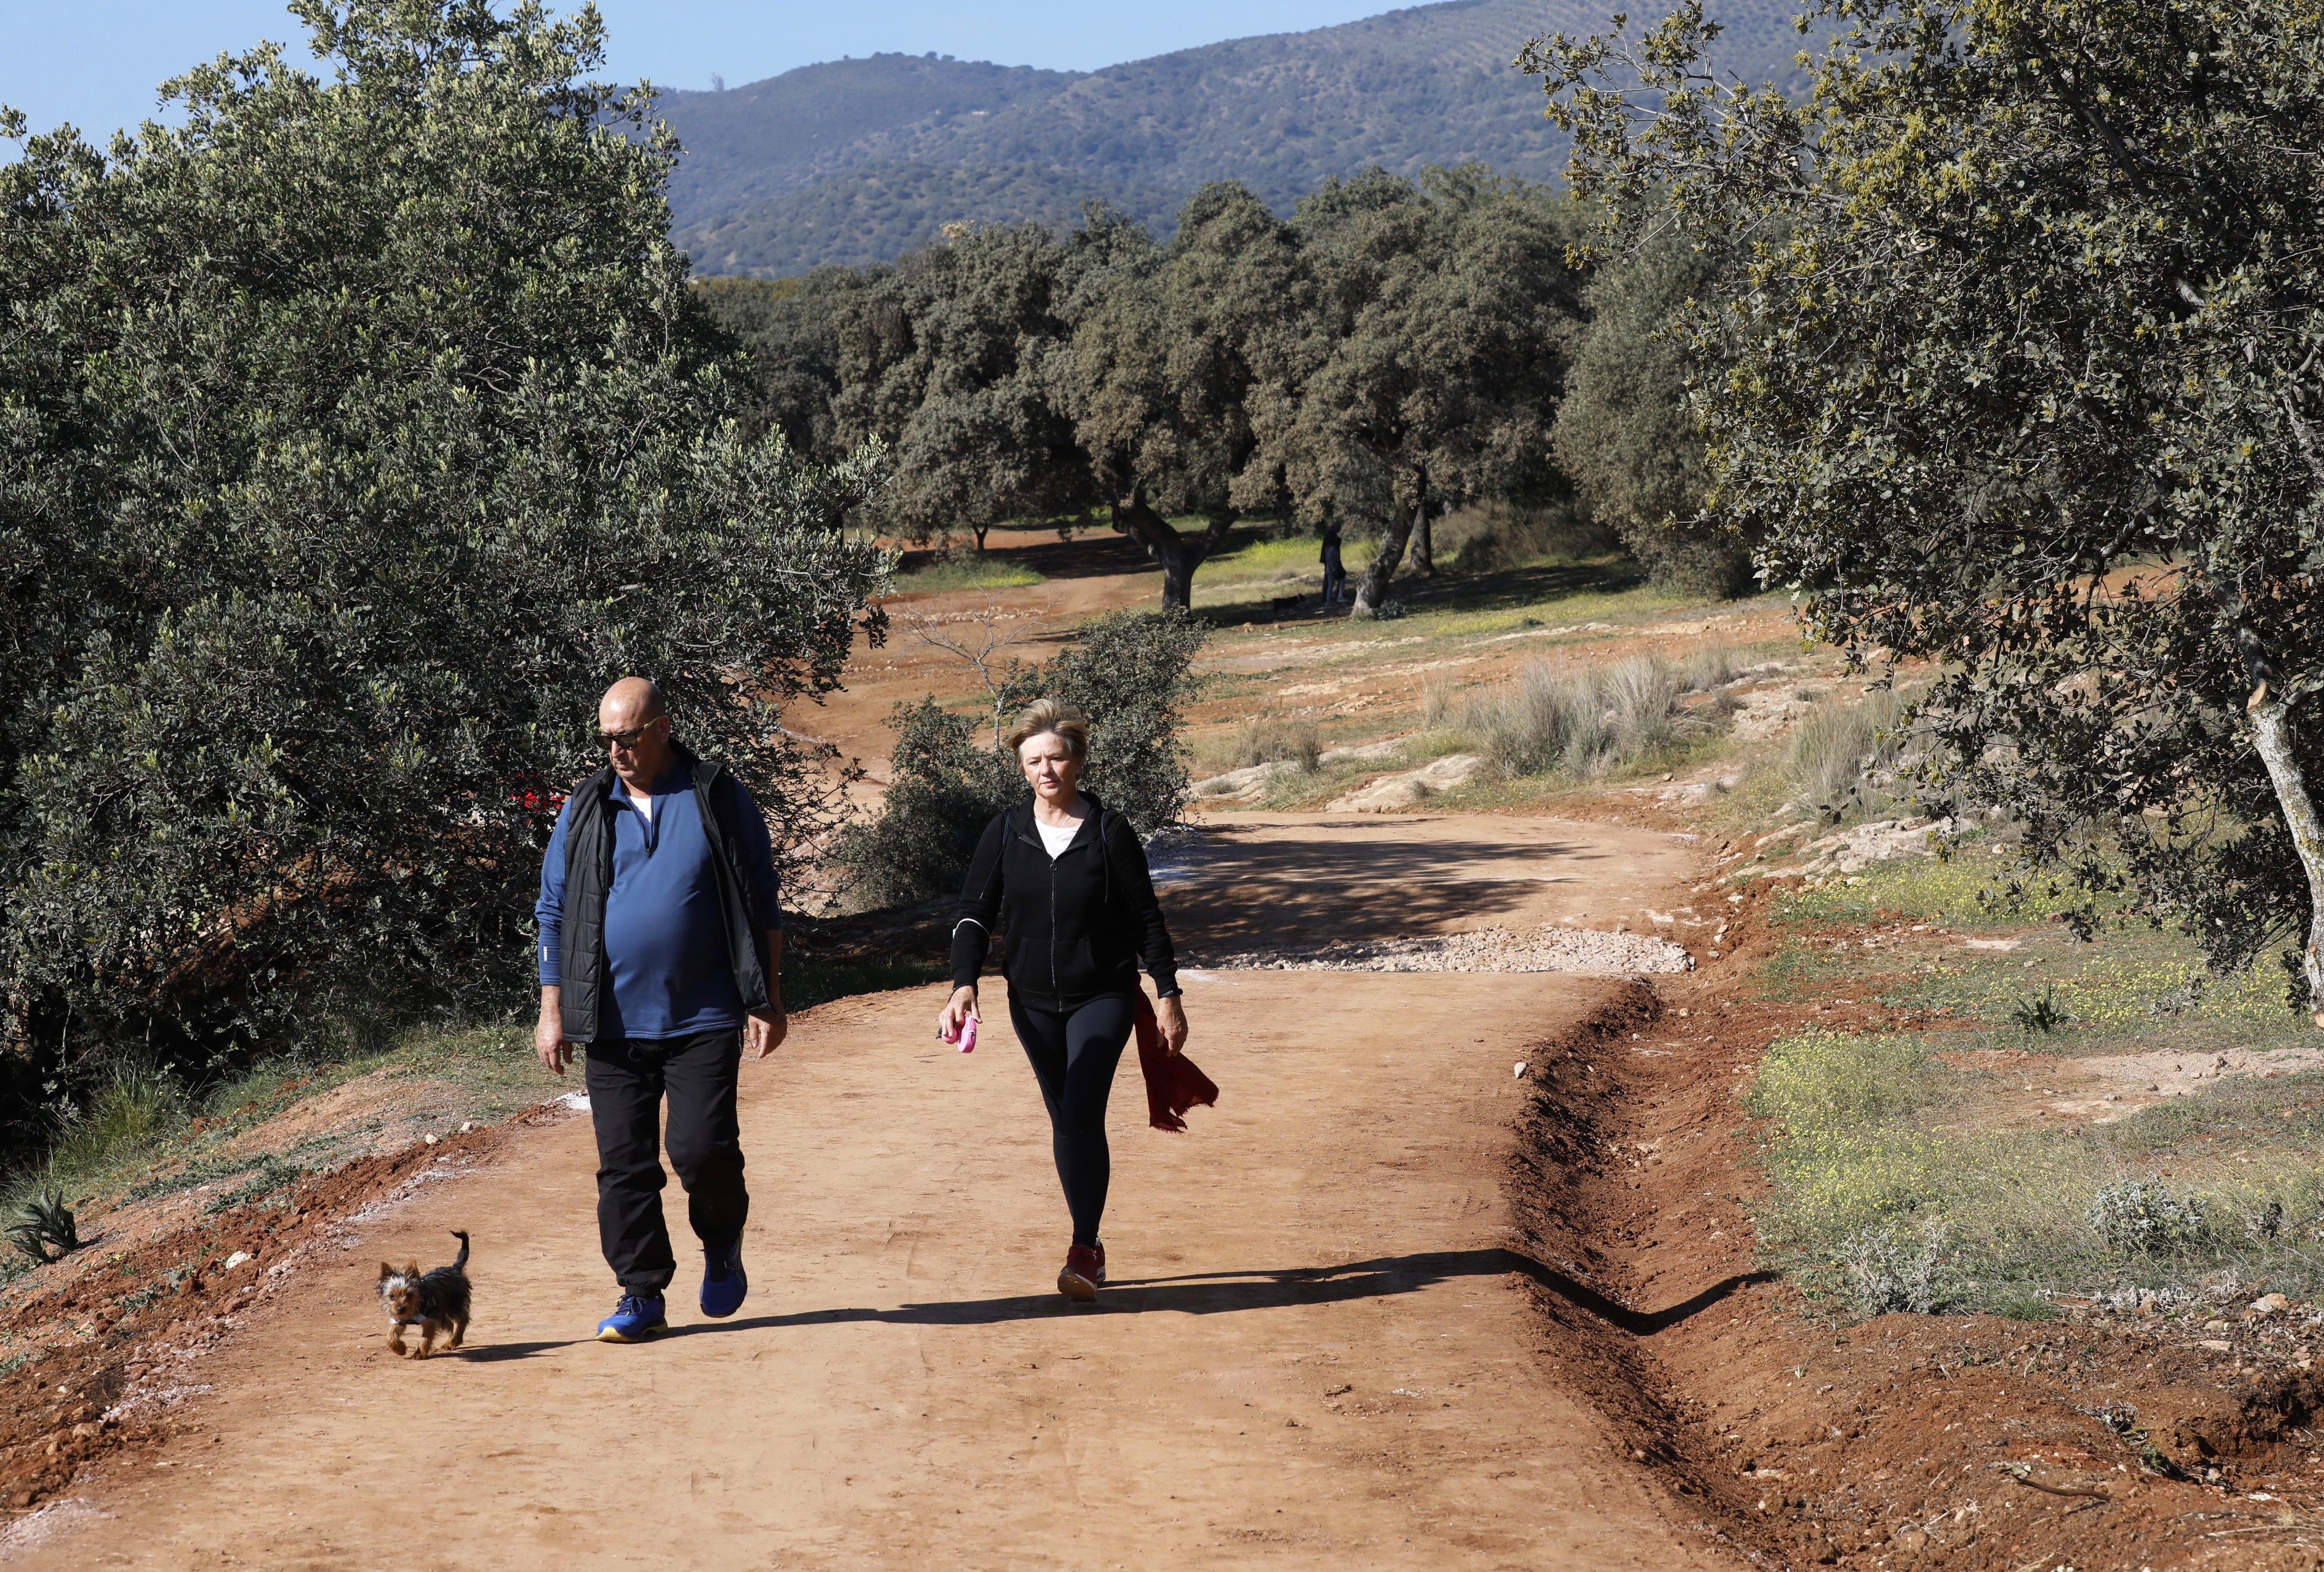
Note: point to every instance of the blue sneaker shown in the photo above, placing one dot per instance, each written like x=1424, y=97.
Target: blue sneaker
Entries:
x=723, y=1283
x=634, y=1320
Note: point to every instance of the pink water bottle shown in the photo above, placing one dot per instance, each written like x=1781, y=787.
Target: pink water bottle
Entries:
x=967, y=1038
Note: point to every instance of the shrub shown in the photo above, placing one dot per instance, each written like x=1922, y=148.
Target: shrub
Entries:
x=1892, y=1268
x=1583, y=723
x=1491, y=537
x=359, y=429
x=1844, y=756
x=944, y=787
x=2141, y=1217
x=45, y=1230
x=1270, y=740
x=1131, y=673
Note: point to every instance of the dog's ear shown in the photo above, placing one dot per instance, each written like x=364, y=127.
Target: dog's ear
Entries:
x=385, y=1272
x=412, y=1271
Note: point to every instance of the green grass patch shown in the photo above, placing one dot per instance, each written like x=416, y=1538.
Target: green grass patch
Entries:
x=1285, y=559
x=945, y=574
x=1883, y=1193
x=1899, y=1181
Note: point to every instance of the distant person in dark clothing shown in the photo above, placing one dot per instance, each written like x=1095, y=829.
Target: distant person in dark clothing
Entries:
x=661, y=950
x=1336, y=577
x=1067, y=880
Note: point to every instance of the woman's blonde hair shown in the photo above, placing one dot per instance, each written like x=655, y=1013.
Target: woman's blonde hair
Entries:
x=1044, y=715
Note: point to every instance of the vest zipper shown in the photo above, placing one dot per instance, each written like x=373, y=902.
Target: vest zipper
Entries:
x=1057, y=989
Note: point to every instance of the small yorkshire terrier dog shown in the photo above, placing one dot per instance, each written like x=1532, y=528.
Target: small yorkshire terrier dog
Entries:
x=433, y=1302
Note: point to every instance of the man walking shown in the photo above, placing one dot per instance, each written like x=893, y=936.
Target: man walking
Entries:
x=660, y=953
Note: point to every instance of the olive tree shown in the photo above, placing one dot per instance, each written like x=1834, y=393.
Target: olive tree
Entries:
x=1623, y=431
x=1157, y=370
x=1429, y=367
x=2026, y=371
x=354, y=432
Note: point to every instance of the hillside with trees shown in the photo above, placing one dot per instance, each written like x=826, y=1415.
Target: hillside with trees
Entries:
x=1390, y=351
x=858, y=162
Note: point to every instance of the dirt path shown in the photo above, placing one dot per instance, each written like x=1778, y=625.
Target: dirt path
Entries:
x=1311, y=1357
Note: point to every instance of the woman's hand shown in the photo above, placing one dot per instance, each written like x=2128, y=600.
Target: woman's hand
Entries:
x=1170, y=1014
x=958, y=1011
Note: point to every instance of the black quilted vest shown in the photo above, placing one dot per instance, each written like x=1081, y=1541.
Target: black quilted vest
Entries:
x=589, y=874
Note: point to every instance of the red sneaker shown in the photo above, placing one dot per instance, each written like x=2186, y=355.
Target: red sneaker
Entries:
x=1084, y=1269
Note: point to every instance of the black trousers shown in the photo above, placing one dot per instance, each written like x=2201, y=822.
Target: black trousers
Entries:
x=1073, y=1056
x=627, y=1078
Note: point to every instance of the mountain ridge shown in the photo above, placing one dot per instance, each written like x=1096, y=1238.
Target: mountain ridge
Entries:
x=856, y=162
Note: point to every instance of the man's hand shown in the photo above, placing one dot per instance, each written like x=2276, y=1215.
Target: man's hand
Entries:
x=549, y=1034
x=1171, y=1016
x=764, y=1032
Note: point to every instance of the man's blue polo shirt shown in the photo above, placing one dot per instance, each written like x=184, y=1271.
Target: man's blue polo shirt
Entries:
x=665, y=937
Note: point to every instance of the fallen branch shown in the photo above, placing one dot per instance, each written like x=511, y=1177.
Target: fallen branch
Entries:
x=2023, y=1473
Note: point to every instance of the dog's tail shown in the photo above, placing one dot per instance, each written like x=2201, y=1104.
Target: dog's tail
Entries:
x=460, y=1260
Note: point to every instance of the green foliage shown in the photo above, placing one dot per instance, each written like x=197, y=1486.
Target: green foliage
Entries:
x=946, y=784
x=1623, y=431
x=2141, y=1215
x=2023, y=312
x=1822, y=1085
x=45, y=1230
x=1429, y=370
x=2041, y=1015
x=128, y=1115
x=1132, y=673
x=744, y=146
x=1388, y=354
x=353, y=433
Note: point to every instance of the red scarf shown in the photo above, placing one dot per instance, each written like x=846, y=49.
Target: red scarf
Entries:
x=1173, y=1084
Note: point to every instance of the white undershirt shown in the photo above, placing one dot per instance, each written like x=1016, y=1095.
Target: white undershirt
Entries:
x=643, y=804
x=1057, y=837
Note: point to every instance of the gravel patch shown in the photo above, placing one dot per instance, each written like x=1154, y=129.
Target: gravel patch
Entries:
x=1549, y=948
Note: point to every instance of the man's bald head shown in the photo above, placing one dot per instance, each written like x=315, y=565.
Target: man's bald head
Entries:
x=633, y=720
x=629, y=702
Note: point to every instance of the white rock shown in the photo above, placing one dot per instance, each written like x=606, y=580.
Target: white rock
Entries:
x=2270, y=1304
x=1250, y=781
x=1519, y=1071
x=430, y=1139
x=238, y=1258
x=1412, y=786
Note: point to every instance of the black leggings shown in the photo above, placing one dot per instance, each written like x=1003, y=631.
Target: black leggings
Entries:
x=1075, y=1054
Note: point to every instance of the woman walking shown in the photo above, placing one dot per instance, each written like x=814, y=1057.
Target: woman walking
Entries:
x=1066, y=880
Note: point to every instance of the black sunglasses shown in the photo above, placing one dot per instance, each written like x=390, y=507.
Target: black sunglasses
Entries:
x=628, y=740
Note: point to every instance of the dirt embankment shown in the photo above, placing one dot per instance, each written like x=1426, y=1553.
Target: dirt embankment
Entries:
x=1906, y=1441
x=113, y=1342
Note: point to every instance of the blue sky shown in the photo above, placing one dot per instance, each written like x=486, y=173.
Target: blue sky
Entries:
x=96, y=62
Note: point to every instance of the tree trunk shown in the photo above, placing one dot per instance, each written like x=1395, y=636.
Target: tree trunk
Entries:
x=1178, y=554
x=2272, y=732
x=1424, y=542
x=981, y=529
x=1373, y=588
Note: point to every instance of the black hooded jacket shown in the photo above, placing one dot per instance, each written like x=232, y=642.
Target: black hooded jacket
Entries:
x=1074, y=929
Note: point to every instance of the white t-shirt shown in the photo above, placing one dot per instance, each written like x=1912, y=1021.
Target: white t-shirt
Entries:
x=1057, y=837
